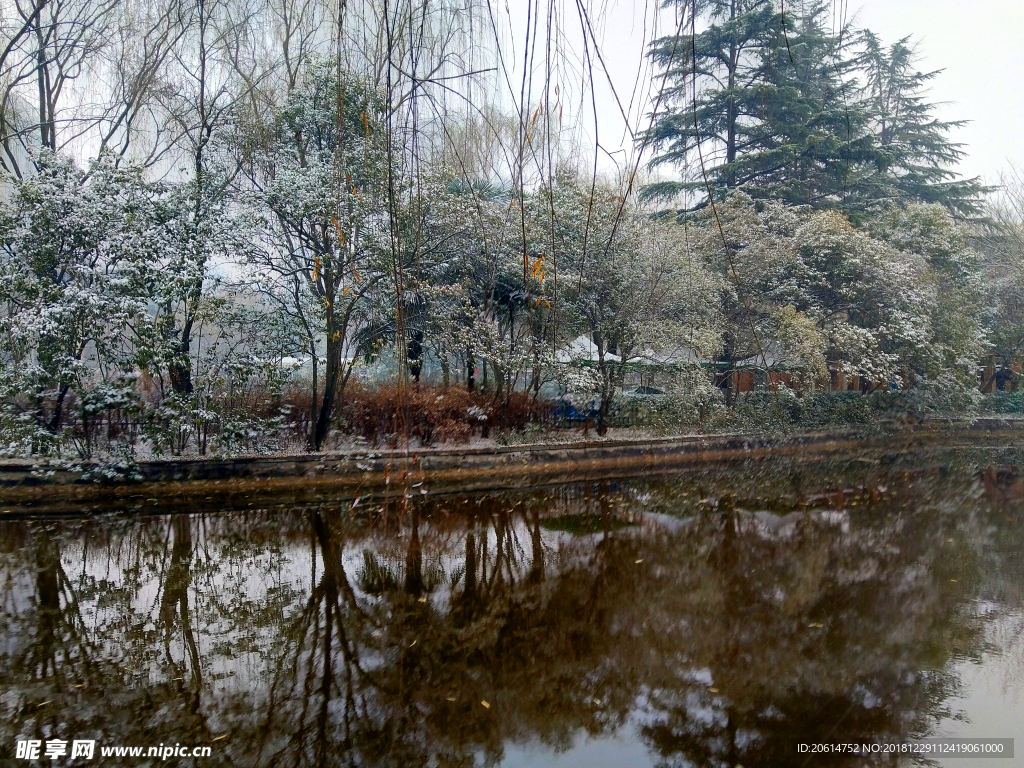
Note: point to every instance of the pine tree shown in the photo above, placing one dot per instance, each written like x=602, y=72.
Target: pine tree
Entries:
x=811, y=142
x=710, y=120
x=789, y=109
x=914, y=155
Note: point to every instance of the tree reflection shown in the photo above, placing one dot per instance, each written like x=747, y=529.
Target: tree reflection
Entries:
x=174, y=604
x=438, y=632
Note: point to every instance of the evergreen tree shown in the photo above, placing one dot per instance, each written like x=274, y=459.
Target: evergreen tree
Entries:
x=914, y=155
x=717, y=114
x=810, y=146
x=790, y=109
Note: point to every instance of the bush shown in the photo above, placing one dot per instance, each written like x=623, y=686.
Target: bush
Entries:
x=690, y=400
x=1003, y=402
x=944, y=395
x=837, y=409
x=433, y=414
x=764, y=410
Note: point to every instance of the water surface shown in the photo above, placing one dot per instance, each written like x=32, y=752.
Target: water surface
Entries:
x=714, y=618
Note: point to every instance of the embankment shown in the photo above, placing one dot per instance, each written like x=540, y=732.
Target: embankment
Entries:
x=25, y=485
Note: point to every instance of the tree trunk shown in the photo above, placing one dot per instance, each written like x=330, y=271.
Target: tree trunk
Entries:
x=414, y=560
x=602, y=413
x=607, y=387
x=333, y=369
x=58, y=409
x=181, y=369
x=181, y=378
x=312, y=405
x=730, y=145
x=415, y=355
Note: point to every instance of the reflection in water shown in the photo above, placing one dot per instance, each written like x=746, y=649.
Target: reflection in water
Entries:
x=710, y=620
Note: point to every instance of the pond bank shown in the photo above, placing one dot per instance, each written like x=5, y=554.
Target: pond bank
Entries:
x=443, y=470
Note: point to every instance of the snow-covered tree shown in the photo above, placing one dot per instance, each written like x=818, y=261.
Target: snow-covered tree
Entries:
x=316, y=182
x=73, y=287
x=626, y=281
x=887, y=303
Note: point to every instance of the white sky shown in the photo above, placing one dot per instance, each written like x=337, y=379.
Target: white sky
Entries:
x=978, y=43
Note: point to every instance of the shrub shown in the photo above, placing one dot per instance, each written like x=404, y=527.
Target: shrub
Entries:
x=1003, y=402
x=433, y=414
x=691, y=400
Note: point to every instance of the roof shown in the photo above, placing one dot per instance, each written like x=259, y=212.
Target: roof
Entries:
x=583, y=350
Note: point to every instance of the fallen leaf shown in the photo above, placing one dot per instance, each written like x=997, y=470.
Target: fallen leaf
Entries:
x=486, y=705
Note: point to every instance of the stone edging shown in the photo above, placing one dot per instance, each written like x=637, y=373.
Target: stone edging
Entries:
x=466, y=468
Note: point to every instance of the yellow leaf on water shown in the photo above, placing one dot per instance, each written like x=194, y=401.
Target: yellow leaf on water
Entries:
x=713, y=690
x=637, y=562
x=485, y=705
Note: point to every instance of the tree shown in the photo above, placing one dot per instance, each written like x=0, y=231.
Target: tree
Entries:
x=800, y=283
x=771, y=110
x=787, y=109
x=624, y=280
x=952, y=281
x=316, y=182
x=77, y=73
x=200, y=106
x=1002, y=275
x=914, y=156
x=74, y=263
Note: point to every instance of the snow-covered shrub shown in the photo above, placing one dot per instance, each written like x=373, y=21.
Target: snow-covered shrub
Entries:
x=690, y=401
x=945, y=395
x=820, y=410
x=1003, y=403
x=764, y=410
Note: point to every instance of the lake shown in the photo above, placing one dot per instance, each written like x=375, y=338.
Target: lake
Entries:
x=716, y=617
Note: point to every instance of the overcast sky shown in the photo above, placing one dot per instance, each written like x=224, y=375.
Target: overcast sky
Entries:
x=978, y=43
